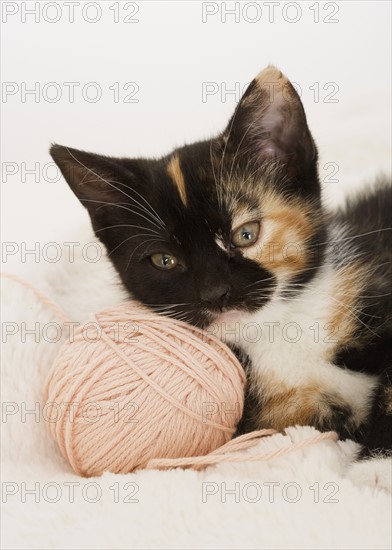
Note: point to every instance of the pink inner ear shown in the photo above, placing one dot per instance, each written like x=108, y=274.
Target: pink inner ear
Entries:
x=272, y=118
x=273, y=127
x=270, y=151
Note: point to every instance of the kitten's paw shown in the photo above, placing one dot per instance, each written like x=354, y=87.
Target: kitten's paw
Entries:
x=372, y=472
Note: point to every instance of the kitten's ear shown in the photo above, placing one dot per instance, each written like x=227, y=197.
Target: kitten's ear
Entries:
x=95, y=179
x=270, y=123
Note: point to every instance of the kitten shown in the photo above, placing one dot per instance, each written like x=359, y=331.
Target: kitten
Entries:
x=229, y=234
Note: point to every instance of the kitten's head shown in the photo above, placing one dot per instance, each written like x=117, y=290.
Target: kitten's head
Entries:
x=218, y=225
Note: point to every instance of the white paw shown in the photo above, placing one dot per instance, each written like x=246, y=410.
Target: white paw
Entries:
x=373, y=472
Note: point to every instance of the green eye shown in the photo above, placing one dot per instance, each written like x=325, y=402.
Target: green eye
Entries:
x=163, y=261
x=246, y=235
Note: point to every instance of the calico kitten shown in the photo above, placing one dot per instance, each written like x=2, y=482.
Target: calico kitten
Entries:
x=230, y=235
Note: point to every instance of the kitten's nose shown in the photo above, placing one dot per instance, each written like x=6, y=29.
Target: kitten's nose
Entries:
x=216, y=296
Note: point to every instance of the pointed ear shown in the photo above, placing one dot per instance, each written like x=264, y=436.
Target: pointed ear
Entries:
x=270, y=124
x=100, y=183
x=93, y=178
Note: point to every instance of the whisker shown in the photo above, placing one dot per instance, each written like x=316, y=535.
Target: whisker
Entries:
x=213, y=171
x=132, y=237
x=100, y=177
x=352, y=237
x=138, y=246
x=157, y=216
x=120, y=205
x=260, y=281
x=126, y=225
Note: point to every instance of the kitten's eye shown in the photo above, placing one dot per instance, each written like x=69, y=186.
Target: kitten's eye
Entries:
x=246, y=235
x=163, y=261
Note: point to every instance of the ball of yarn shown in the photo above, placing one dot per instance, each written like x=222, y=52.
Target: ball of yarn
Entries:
x=131, y=386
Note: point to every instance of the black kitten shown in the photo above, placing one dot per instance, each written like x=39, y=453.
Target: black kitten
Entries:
x=230, y=235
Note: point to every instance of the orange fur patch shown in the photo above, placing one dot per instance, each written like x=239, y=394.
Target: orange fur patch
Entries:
x=287, y=227
x=344, y=315
x=271, y=76
x=174, y=171
x=288, y=406
x=291, y=406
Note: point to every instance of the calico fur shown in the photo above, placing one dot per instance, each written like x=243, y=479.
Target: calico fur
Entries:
x=306, y=305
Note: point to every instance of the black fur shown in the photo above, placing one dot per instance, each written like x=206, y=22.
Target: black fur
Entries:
x=368, y=217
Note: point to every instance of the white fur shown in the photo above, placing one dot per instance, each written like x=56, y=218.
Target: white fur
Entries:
x=288, y=339
x=219, y=241
x=169, y=512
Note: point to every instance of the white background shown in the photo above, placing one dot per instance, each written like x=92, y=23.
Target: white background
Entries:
x=170, y=52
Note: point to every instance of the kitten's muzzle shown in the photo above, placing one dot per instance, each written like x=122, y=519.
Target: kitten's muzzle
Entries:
x=216, y=297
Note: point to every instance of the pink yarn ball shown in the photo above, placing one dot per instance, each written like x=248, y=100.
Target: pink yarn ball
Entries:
x=131, y=386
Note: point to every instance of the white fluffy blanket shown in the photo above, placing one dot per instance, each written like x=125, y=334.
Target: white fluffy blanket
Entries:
x=311, y=498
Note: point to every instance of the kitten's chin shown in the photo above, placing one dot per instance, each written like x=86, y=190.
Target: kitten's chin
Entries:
x=231, y=316
x=226, y=325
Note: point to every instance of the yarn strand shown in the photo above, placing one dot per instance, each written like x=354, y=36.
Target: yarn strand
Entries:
x=236, y=445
